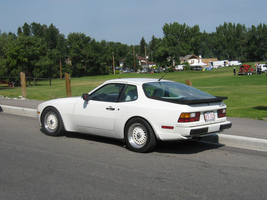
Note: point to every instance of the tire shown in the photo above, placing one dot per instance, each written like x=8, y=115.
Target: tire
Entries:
x=52, y=123
x=139, y=136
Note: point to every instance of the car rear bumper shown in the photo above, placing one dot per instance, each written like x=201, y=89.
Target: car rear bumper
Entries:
x=205, y=130
x=180, y=133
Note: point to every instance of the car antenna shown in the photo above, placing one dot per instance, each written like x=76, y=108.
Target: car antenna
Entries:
x=162, y=76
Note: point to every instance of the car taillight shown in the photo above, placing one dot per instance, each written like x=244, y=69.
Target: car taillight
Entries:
x=189, y=117
x=222, y=113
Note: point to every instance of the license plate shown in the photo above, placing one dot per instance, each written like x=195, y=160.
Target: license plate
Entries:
x=209, y=116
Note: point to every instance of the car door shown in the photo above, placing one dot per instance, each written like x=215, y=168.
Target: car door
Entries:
x=97, y=115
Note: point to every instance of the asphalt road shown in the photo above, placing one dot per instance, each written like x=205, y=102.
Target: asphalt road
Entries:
x=76, y=166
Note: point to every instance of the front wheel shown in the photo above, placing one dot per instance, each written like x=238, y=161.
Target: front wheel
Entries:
x=139, y=136
x=52, y=122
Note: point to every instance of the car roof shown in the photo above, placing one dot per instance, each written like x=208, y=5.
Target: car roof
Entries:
x=135, y=80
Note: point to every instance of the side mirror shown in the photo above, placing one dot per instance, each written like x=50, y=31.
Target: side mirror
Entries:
x=85, y=97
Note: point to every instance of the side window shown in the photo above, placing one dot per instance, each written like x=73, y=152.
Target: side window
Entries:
x=129, y=94
x=109, y=93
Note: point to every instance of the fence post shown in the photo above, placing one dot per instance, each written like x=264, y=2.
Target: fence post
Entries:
x=188, y=82
x=23, y=84
x=68, y=86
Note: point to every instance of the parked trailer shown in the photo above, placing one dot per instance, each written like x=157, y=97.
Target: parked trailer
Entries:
x=234, y=63
x=218, y=64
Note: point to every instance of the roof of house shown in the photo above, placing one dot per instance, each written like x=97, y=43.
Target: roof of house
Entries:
x=151, y=63
x=140, y=58
x=189, y=56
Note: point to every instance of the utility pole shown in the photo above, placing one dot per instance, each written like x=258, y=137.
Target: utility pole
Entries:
x=145, y=57
x=134, y=58
x=113, y=63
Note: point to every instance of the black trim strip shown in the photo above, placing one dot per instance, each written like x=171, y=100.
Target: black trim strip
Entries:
x=225, y=126
x=199, y=131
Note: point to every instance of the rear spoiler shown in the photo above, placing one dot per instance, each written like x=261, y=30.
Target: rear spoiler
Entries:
x=191, y=102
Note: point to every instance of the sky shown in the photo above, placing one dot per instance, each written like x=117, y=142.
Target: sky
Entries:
x=127, y=21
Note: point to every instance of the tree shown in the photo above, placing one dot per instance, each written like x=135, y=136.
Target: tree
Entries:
x=206, y=45
x=230, y=42
x=26, y=29
x=22, y=54
x=129, y=61
x=51, y=36
x=181, y=40
x=38, y=29
x=240, y=42
x=120, y=50
x=36, y=50
x=162, y=53
x=257, y=42
x=5, y=42
x=153, y=43
x=225, y=41
x=19, y=31
x=143, y=45
x=152, y=47
x=101, y=58
x=78, y=49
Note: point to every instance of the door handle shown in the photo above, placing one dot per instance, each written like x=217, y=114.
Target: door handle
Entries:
x=110, y=108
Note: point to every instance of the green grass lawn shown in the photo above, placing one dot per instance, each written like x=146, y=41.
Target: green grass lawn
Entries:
x=247, y=95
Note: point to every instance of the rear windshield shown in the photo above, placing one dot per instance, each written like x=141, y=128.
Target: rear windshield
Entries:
x=174, y=91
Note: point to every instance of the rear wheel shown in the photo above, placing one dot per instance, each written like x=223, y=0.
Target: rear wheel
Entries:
x=139, y=136
x=52, y=122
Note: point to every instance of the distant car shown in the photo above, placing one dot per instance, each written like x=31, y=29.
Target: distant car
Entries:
x=263, y=67
x=126, y=71
x=144, y=71
x=234, y=63
x=179, y=67
x=138, y=111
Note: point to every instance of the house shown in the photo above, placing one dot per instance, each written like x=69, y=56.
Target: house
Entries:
x=121, y=62
x=191, y=59
x=142, y=61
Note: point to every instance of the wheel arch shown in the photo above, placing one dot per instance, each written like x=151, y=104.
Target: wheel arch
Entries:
x=48, y=107
x=143, y=141
x=137, y=117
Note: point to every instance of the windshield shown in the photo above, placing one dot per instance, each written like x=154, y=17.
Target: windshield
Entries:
x=174, y=91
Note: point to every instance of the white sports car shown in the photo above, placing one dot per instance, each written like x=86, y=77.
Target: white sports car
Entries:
x=138, y=111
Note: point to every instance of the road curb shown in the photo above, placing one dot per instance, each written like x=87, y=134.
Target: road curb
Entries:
x=29, y=112
x=245, y=142
x=237, y=141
